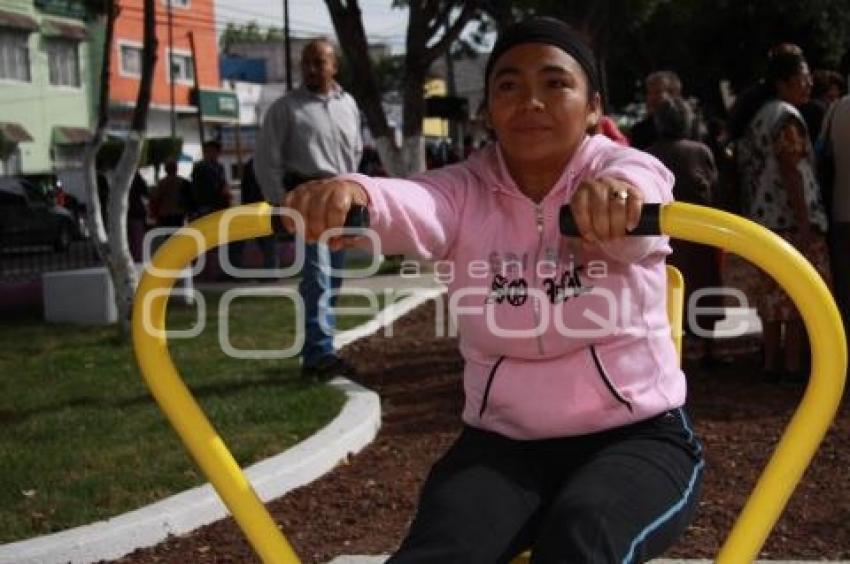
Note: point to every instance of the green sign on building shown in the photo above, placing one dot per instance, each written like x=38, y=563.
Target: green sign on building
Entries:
x=218, y=105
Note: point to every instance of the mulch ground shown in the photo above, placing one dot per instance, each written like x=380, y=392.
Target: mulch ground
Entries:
x=364, y=506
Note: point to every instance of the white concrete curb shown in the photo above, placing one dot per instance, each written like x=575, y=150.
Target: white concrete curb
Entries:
x=355, y=427
x=388, y=315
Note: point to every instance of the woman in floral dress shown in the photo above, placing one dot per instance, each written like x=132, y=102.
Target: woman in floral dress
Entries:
x=780, y=190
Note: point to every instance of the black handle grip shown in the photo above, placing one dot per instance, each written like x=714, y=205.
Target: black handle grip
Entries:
x=356, y=218
x=649, y=224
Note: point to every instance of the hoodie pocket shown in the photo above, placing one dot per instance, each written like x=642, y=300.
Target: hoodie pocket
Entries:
x=489, y=385
x=606, y=379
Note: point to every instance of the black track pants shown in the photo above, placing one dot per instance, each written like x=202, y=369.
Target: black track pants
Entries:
x=623, y=495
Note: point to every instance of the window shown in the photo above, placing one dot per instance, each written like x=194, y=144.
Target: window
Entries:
x=63, y=62
x=181, y=68
x=12, y=165
x=131, y=60
x=69, y=156
x=14, y=55
x=183, y=4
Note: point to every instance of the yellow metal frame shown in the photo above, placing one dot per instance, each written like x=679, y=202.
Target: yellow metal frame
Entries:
x=693, y=223
x=676, y=306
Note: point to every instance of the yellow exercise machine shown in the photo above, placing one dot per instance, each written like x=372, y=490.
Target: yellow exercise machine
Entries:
x=699, y=224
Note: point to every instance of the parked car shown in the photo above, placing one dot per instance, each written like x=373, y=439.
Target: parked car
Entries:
x=28, y=218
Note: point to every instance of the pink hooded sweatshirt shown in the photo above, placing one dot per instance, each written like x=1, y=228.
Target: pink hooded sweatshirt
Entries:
x=558, y=340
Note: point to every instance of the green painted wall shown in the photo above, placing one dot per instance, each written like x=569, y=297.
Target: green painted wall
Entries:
x=38, y=105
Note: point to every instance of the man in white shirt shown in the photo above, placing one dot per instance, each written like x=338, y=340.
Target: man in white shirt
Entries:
x=310, y=133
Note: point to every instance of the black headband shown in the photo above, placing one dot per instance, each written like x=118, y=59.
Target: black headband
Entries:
x=551, y=32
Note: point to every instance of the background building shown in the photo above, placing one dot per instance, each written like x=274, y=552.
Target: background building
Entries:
x=193, y=80
x=47, y=75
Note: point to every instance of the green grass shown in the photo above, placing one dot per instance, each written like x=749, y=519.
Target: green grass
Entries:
x=82, y=439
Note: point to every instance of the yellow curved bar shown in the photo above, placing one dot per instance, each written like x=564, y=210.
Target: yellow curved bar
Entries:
x=693, y=223
x=676, y=306
x=176, y=401
x=821, y=399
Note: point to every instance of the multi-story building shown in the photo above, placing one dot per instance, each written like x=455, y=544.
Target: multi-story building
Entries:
x=191, y=81
x=46, y=84
x=50, y=57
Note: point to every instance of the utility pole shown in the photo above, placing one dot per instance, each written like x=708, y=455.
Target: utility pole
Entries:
x=240, y=166
x=171, y=69
x=197, y=87
x=287, y=47
x=455, y=128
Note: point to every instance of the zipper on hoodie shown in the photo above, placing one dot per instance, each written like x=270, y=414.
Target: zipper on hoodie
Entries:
x=489, y=384
x=608, y=383
x=535, y=301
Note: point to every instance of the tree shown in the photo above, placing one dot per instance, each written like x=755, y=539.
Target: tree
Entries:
x=111, y=241
x=250, y=32
x=433, y=25
x=704, y=41
x=726, y=39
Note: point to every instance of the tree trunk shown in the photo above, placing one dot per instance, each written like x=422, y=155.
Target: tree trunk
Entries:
x=427, y=20
x=112, y=243
x=348, y=23
x=122, y=269
x=94, y=218
x=121, y=266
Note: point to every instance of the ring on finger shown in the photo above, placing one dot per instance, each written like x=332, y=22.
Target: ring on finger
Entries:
x=621, y=194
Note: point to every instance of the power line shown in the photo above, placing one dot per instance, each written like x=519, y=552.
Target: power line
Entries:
x=241, y=11
x=383, y=32
x=217, y=25
x=301, y=26
x=220, y=25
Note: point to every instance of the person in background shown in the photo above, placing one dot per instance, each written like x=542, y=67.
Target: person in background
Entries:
x=58, y=195
x=310, y=133
x=838, y=140
x=575, y=440
x=211, y=193
x=659, y=85
x=168, y=206
x=370, y=163
x=137, y=212
x=726, y=195
x=210, y=190
x=137, y=215
x=776, y=173
x=252, y=193
x=608, y=127
x=827, y=88
x=168, y=200
x=692, y=163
